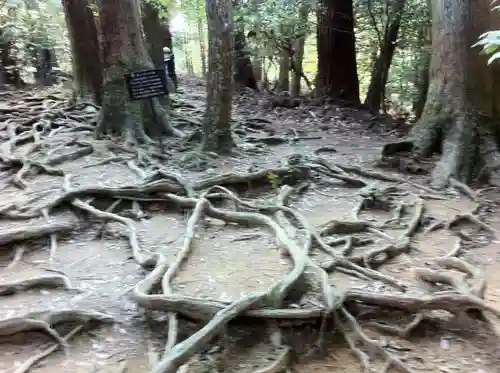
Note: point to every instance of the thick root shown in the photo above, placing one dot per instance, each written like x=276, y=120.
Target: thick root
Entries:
x=469, y=150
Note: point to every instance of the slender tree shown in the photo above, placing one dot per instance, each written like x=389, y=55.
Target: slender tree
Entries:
x=216, y=124
x=460, y=116
x=387, y=46
x=124, y=51
x=83, y=36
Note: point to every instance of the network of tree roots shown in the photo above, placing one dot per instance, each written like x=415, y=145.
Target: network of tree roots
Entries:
x=46, y=123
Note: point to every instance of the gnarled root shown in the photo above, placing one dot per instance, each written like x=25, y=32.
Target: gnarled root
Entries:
x=469, y=149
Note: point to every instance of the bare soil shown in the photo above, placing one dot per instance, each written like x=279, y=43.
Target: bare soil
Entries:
x=73, y=260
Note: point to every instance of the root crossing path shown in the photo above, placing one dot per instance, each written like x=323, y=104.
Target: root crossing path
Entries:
x=119, y=259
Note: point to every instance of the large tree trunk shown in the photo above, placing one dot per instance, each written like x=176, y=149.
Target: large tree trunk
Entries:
x=216, y=124
x=461, y=111
x=123, y=52
x=380, y=72
x=156, y=32
x=157, y=35
x=84, y=39
x=337, y=70
x=243, y=70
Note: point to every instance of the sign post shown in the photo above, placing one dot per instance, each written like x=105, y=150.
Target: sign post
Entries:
x=146, y=85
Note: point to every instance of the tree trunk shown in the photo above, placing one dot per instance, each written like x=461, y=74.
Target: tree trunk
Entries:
x=123, y=52
x=157, y=35
x=380, y=72
x=421, y=80
x=243, y=70
x=257, y=68
x=84, y=40
x=284, y=71
x=422, y=84
x=461, y=111
x=203, y=47
x=216, y=124
x=43, y=58
x=156, y=32
x=337, y=70
x=298, y=54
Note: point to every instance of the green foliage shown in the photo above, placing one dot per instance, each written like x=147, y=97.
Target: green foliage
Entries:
x=31, y=24
x=490, y=41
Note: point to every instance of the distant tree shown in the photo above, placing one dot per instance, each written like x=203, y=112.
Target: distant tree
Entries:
x=84, y=40
x=337, y=71
x=216, y=124
x=123, y=51
x=460, y=117
x=387, y=39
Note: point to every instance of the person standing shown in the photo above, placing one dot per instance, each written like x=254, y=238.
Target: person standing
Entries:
x=168, y=58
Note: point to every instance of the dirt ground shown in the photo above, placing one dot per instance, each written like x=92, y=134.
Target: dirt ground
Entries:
x=60, y=255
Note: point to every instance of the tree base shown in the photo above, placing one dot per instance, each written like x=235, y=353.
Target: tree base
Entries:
x=468, y=146
x=137, y=122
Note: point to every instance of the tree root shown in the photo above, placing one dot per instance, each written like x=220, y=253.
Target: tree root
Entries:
x=52, y=281
x=44, y=321
x=28, y=364
x=18, y=234
x=459, y=287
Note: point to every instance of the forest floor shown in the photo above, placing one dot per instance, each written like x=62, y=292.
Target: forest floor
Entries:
x=328, y=278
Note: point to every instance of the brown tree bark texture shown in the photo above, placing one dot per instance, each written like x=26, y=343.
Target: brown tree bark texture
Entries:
x=84, y=40
x=124, y=51
x=216, y=124
x=156, y=31
x=337, y=69
x=243, y=70
x=461, y=107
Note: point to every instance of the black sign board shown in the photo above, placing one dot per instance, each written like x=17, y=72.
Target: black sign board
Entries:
x=146, y=84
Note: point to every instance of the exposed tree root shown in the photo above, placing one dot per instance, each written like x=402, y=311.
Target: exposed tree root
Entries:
x=52, y=281
x=28, y=364
x=45, y=321
x=18, y=234
x=456, y=285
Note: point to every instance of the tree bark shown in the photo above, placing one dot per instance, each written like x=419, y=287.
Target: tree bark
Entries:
x=203, y=47
x=123, y=51
x=298, y=54
x=380, y=72
x=337, y=70
x=461, y=111
x=257, y=68
x=284, y=71
x=216, y=124
x=84, y=40
x=156, y=31
x=243, y=70
x=421, y=80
